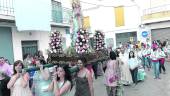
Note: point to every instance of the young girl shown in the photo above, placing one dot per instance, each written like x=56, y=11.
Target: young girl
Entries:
x=61, y=84
x=19, y=82
x=111, y=77
x=133, y=65
x=155, y=62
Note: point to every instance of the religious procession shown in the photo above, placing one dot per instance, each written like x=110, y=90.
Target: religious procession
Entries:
x=84, y=48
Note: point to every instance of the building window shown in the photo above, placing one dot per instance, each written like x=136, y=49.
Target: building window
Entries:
x=126, y=37
x=30, y=47
x=67, y=30
x=57, y=14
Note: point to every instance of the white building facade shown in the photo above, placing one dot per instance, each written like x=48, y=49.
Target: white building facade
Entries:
x=143, y=19
x=16, y=44
x=157, y=18
x=139, y=20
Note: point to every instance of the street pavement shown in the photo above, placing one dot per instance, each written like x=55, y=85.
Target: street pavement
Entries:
x=149, y=87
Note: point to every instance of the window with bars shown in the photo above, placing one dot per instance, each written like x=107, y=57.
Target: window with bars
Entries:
x=29, y=47
x=125, y=37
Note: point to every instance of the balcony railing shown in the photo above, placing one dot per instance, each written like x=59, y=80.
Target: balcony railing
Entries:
x=62, y=15
x=6, y=7
x=156, y=14
x=157, y=9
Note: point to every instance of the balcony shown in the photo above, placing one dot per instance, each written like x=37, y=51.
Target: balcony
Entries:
x=6, y=10
x=156, y=14
x=61, y=17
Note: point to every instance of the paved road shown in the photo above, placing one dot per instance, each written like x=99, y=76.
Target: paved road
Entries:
x=150, y=87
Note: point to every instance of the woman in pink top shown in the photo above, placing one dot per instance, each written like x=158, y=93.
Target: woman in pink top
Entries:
x=111, y=75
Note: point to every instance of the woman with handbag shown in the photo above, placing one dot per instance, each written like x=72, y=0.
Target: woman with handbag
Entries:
x=133, y=65
x=111, y=75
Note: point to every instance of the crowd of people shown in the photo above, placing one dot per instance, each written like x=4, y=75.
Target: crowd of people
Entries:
x=44, y=82
x=129, y=62
x=127, y=65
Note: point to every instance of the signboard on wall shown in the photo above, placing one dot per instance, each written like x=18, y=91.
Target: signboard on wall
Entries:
x=145, y=34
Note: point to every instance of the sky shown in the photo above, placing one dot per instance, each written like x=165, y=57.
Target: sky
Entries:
x=33, y=16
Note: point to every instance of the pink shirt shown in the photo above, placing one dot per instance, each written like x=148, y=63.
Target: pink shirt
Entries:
x=6, y=68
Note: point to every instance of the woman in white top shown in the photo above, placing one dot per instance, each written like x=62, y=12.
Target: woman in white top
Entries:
x=155, y=62
x=19, y=82
x=61, y=84
x=133, y=65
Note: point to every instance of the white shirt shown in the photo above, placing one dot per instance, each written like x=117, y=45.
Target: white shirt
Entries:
x=133, y=63
x=162, y=54
x=154, y=55
x=146, y=52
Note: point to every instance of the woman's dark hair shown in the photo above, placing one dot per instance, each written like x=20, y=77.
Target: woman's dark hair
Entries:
x=25, y=56
x=67, y=74
x=154, y=49
x=133, y=54
x=164, y=43
x=6, y=60
x=153, y=41
x=83, y=59
x=112, y=55
x=38, y=53
x=117, y=53
x=40, y=57
x=15, y=64
x=1, y=57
